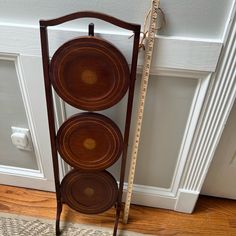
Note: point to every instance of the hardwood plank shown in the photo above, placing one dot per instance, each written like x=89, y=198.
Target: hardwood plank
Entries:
x=213, y=216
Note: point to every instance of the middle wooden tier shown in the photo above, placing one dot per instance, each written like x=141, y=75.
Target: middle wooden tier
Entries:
x=89, y=141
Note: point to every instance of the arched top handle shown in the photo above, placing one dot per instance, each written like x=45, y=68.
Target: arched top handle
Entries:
x=90, y=14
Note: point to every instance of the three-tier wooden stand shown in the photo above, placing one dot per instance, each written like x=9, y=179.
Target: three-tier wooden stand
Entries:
x=90, y=74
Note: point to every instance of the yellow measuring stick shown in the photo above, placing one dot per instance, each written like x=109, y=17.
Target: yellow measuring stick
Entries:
x=144, y=84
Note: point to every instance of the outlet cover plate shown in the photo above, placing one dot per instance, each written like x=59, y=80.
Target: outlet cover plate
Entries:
x=25, y=131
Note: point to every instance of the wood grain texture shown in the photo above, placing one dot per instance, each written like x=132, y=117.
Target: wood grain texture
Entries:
x=89, y=73
x=89, y=192
x=213, y=216
x=89, y=141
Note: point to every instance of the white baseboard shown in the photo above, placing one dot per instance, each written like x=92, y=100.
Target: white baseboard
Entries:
x=142, y=195
x=151, y=196
x=21, y=172
x=186, y=201
x=163, y=198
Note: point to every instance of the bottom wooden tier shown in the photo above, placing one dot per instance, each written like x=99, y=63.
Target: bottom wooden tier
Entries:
x=89, y=192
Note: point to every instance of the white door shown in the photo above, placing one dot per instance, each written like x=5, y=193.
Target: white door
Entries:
x=220, y=180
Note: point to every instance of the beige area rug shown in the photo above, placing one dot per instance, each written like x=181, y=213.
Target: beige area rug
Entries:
x=17, y=225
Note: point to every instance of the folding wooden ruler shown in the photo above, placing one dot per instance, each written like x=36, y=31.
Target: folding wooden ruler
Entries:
x=143, y=92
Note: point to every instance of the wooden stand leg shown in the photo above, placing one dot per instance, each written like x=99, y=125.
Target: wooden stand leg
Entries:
x=118, y=209
x=59, y=210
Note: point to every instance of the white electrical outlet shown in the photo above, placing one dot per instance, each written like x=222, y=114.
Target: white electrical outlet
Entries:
x=21, y=138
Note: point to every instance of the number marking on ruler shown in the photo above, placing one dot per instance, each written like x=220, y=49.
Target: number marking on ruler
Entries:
x=144, y=84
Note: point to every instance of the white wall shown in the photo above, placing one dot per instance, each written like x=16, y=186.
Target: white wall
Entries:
x=12, y=114
x=200, y=19
x=166, y=113
x=220, y=180
x=185, y=18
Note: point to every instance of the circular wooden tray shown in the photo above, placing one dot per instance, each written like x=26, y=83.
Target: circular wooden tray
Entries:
x=89, y=192
x=89, y=73
x=89, y=141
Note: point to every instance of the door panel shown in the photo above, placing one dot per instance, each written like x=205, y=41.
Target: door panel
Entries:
x=22, y=90
x=12, y=114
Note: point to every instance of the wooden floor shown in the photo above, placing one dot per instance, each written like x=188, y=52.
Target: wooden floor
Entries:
x=213, y=216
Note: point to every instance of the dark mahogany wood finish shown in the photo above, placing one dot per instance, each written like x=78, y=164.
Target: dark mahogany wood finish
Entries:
x=89, y=192
x=88, y=189
x=89, y=73
x=90, y=142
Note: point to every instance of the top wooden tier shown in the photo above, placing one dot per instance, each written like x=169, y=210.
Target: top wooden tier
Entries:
x=89, y=73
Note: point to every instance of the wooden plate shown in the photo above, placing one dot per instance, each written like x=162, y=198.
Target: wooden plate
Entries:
x=89, y=73
x=89, y=141
x=89, y=192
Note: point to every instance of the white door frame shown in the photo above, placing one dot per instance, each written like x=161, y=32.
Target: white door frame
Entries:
x=215, y=111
